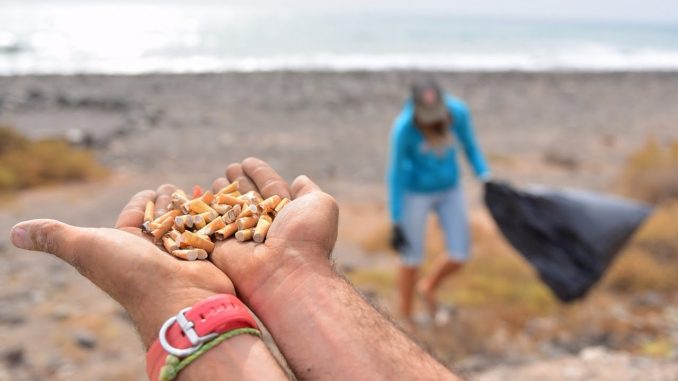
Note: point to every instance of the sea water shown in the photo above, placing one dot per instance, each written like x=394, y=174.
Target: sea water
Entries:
x=67, y=37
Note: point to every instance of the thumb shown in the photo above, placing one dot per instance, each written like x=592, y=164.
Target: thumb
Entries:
x=50, y=236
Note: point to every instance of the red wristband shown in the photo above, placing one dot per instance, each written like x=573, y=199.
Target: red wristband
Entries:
x=183, y=334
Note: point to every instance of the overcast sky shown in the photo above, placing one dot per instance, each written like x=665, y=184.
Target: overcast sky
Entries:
x=665, y=11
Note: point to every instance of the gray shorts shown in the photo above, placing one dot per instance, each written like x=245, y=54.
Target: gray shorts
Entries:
x=450, y=206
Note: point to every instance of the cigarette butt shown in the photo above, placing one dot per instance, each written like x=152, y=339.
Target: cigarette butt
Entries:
x=221, y=208
x=262, y=228
x=183, y=222
x=226, y=231
x=196, y=241
x=252, y=197
x=247, y=222
x=228, y=199
x=230, y=188
x=270, y=203
x=162, y=229
x=232, y=214
x=198, y=221
x=235, y=194
x=149, y=211
x=207, y=197
x=178, y=198
x=174, y=234
x=169, y=244
x=189, y=254
x=212, y=227
x=209, y=216
x=246, y=212
x=202, y=254
x=196, y=206
x=146, y=227
x=282, y=204
x=197, y=191
x=244, y=235
x=169, y=215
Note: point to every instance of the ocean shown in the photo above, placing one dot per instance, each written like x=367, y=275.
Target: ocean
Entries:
x=55, y=37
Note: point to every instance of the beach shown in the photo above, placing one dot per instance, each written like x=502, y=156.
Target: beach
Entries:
x=573, y=129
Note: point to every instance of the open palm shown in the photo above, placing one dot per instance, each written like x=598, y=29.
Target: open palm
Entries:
x=308, y=224
x=148, y=282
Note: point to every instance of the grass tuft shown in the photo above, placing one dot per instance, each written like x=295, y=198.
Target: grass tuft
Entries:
x=25, y=163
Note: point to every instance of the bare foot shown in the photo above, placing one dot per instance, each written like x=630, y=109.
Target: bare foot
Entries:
x=429, y=295
x=407, y=325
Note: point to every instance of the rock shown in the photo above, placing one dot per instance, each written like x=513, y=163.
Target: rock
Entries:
x=13, y=357
x=61, y=312
x=649, y=299
x=562, y=160
x=10, y=317
x=593, y=353
x=85, y=339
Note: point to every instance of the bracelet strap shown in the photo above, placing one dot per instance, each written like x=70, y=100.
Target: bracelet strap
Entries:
x=174, y=365
x=192, y=328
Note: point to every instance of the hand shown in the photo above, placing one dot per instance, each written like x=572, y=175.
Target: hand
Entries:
x=301, y=237
x=398, y=240
x=485, y=177
x=149, y=283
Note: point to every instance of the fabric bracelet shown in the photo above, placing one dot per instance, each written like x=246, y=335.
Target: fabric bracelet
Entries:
x=174, y=365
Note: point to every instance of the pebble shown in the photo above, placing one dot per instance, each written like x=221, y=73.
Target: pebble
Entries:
x=85, y=339
x=14, y=357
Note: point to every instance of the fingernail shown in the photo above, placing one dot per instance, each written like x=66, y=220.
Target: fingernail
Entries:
x=20, y=238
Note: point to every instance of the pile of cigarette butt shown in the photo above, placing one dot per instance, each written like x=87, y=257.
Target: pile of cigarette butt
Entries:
x=191, y=226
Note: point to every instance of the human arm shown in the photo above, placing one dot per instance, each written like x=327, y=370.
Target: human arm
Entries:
x=323, y=327
x=149, y=283
x=463, y=128
x=396, y=167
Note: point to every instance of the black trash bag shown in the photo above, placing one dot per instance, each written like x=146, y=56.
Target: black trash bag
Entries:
x=569, y=236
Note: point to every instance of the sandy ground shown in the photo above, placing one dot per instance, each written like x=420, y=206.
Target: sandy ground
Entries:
x=558, y=129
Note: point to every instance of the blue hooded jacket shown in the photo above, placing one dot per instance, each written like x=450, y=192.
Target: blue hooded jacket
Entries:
x=415, y=167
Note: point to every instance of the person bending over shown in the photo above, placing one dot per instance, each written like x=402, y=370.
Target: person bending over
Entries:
x=424, y=177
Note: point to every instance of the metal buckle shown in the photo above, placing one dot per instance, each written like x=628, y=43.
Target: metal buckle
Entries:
x=186, y=326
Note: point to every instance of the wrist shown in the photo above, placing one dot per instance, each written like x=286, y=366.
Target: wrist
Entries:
x=195, y=331
x=149, y=315
x=283, y=282
x=243, y=357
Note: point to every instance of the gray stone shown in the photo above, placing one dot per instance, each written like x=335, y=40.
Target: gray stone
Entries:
x=85, y=339
x=14, y=357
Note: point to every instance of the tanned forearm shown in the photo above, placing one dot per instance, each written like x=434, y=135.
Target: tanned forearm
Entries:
x=326, y=330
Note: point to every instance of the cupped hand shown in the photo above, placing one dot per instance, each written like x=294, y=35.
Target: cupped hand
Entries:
x=149, y=283
x=301, y=237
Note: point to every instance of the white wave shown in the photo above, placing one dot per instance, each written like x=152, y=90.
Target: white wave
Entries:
x=593, y=58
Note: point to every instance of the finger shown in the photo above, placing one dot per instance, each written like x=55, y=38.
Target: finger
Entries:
x=219, y=184
x=50, y=236
x=303, y=185
x=132, y=214
x=266, y=179
x=164, y=197
x=234, y=172
x=101, y=255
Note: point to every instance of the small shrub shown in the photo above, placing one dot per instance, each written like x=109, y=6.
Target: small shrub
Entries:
x=651, y=174
x=25, y=163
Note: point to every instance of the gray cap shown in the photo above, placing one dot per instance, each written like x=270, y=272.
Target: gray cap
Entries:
x=429, y=105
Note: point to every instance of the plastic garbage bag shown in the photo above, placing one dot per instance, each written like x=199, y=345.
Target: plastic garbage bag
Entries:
x=569, y=236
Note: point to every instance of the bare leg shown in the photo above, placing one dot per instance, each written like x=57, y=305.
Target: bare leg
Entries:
x=407, y=280
x=428, y=286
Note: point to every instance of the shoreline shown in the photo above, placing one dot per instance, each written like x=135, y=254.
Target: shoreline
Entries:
x=323, y=71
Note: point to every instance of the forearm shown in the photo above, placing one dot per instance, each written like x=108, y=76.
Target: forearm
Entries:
x=243, y=357
x=326, y=330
